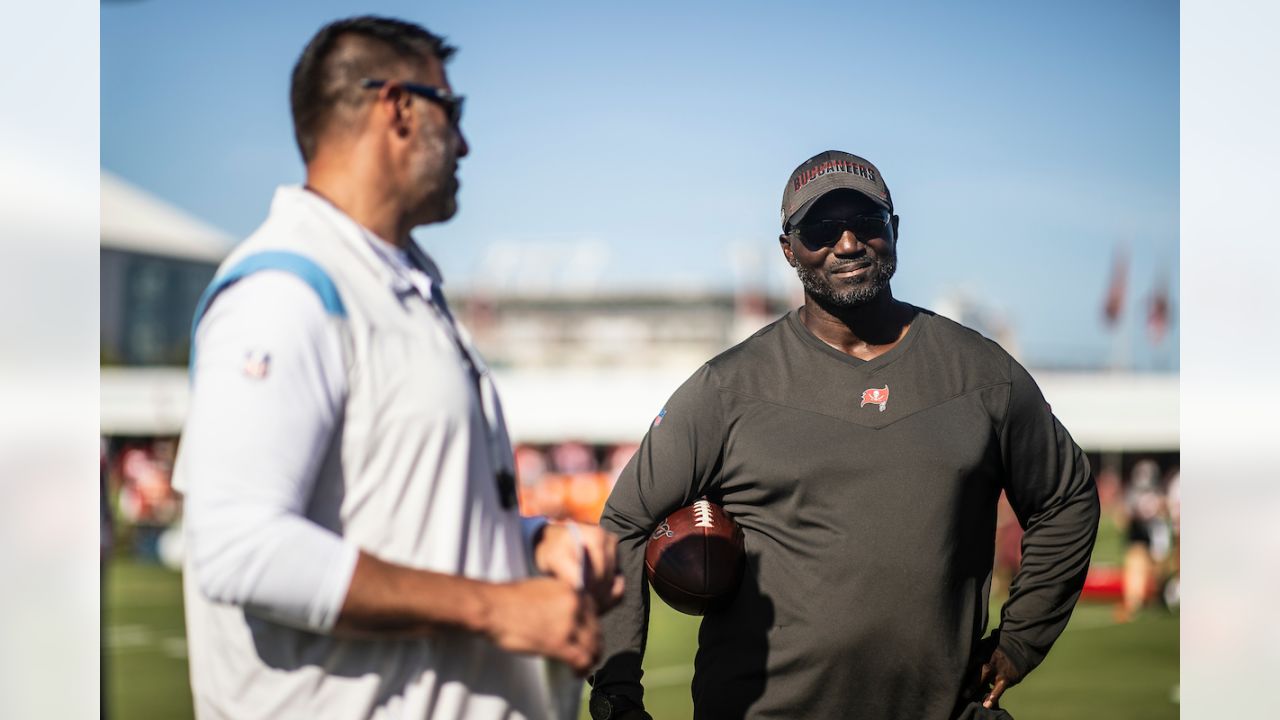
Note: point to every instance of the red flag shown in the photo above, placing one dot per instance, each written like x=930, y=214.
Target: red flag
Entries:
x=1114, y=303
x=1158, y=312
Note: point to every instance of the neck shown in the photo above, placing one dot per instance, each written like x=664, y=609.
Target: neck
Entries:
x=864, y=331
x=355, y=184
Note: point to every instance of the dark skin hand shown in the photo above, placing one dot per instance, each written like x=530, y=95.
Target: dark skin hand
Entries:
x=996, y=674
x=1000, y=674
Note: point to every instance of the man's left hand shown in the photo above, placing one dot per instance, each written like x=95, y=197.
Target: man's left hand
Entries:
x=1000, y=673
x=585, y=556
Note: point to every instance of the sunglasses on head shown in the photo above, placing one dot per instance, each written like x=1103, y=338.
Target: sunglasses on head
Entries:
x=829, y=232
x=450, y=103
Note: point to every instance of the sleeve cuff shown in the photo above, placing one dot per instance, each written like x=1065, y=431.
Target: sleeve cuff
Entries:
x=333, y=595
x=1016, y=653
x=530, y=527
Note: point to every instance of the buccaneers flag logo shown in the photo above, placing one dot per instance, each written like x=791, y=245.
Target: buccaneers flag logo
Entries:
x=875, y=396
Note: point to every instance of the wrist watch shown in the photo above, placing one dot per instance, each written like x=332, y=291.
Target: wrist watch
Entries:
x=603, y=706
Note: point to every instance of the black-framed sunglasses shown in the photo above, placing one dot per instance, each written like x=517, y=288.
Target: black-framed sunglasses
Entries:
x=828, y=232
x=450, y=103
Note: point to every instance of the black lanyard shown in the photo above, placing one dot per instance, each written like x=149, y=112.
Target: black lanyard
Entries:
x=503, y=475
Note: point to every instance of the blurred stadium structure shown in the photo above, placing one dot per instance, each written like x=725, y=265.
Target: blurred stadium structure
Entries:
x=582, y=372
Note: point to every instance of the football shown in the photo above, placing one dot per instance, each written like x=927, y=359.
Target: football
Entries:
x=694, y=558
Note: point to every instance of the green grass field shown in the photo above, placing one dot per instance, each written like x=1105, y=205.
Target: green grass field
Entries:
x=144, y=649
x=1097, y=669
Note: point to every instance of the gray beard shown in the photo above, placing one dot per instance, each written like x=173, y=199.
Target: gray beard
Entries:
x=819, y=288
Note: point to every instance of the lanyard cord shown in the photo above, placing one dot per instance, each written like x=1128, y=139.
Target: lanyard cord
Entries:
x=503, y=474
x=504, y=471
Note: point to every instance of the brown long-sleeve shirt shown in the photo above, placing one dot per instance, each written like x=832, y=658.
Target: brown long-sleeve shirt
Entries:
x=867, y=493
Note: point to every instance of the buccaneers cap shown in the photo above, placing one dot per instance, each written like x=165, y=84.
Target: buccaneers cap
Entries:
x=827, y=171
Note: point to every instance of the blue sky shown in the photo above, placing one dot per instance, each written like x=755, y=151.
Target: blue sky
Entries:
x=649, y=143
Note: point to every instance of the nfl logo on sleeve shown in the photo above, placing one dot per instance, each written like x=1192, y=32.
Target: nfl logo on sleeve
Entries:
x=257, y=363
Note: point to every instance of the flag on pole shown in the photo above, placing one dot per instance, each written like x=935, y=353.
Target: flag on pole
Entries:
x=1158, y=311
x=1114, y=302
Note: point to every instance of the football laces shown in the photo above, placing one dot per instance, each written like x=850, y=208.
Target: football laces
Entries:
x=702, y=514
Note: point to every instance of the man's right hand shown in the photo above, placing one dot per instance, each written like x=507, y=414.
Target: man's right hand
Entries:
x=584, y=556
x=545, y=616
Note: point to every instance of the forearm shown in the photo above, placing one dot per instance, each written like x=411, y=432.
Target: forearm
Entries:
x=1055, y=560
x=385, y=599
x=286, y=569
x=542, y=616
x=676, y=463
x=626, y=626
x=1051, y=488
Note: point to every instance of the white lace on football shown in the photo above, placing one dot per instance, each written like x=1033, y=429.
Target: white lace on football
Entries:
x=702, y=514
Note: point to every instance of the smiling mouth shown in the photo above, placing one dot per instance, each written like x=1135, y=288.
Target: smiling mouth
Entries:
x=851, y=269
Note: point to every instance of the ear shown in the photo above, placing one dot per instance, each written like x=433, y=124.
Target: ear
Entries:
x=785, y=241
x=396, y=104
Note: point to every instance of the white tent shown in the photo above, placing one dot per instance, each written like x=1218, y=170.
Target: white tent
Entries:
x=149, y=401
x=1116, y=411
x=132, y=219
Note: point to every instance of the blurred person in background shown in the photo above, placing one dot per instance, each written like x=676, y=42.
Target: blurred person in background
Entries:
x=1173, y=501
x=1149, y=538
x=106, y=525
x=355, y=550
x=1111, y=495
x=106, y=541
x=617, y=459
x=147, y=501
x=531, y=468
x=573, y=457
x=861, y=444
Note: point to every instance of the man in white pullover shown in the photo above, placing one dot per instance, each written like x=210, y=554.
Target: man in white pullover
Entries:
x=354, y=546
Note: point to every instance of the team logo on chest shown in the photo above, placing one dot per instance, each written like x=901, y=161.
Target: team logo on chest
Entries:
x=875, y=396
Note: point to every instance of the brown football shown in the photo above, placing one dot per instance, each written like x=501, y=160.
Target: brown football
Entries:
x=694, y=558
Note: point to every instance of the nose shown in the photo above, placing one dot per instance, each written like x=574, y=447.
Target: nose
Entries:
x=848, y=244
x=463, y=147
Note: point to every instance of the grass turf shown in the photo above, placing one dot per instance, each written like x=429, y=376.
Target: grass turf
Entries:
x=144, y=658
x=1097, y=668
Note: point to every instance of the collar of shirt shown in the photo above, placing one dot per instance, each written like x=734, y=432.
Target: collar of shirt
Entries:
x=395, y=266
x=405, y=276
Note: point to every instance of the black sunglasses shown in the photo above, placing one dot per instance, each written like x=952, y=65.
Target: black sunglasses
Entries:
x=450, y=103
x=829, y=232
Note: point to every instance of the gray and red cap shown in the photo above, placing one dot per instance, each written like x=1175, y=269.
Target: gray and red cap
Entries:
x=827, y=171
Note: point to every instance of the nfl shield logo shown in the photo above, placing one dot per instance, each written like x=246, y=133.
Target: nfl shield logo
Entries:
x=875, y=396
x=257, y=363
